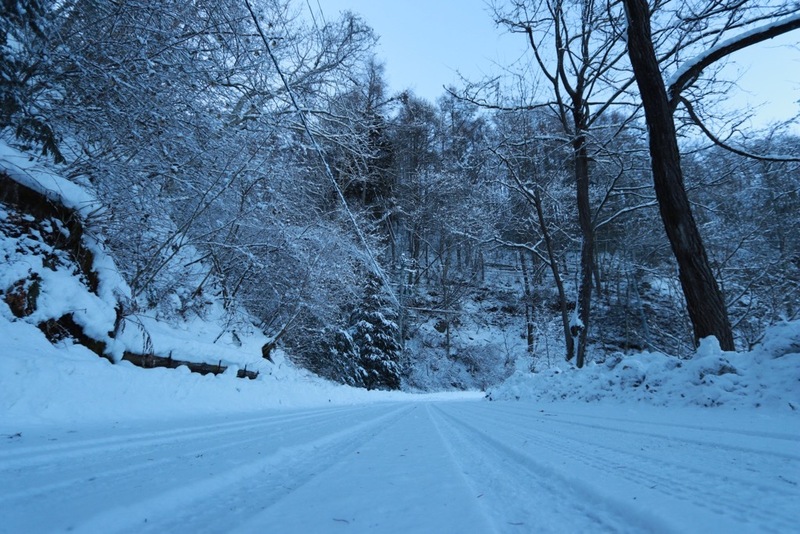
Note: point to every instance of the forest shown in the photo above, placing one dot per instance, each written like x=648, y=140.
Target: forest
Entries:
x=590, y=202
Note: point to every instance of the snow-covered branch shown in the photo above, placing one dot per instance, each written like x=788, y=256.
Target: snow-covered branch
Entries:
x=685, y=76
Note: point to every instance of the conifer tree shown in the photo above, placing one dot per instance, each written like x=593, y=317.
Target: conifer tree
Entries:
x=375, y=334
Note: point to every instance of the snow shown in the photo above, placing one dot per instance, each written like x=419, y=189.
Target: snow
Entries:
x=643, y=442
x=43, y=384
x=89, y=446
x=409, y=467
x=700, y=58
x=766, y=377
x=32, y=173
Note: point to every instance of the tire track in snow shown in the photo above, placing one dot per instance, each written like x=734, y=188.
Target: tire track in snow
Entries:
x=196, y=506
x=523, y=471
x=403, y=479
x=713, y=456
x=525, y=495
x=705, y=429
x=210, y=452
x=69, y=463
x=143, y=459
x=771, y=443
x=732, y=467
x=17, y=455
x=769, y=507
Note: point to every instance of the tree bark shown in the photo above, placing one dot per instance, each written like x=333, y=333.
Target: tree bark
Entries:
x=526, y=284
x=579, y=328
x=553, y=260
x=704, y=300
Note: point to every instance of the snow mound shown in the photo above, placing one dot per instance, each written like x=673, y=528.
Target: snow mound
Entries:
x=34, y=174
x=41, y=382
x=767, y=376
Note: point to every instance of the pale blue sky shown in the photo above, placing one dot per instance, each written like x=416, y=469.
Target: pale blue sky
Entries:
x=424, y=42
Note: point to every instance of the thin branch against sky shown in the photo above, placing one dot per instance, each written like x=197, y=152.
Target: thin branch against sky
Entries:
x=426, y=45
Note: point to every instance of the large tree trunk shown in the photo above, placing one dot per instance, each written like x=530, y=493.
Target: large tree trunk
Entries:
x=704, y=300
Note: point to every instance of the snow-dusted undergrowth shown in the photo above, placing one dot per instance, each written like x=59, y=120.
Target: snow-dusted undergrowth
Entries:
x=767, y=376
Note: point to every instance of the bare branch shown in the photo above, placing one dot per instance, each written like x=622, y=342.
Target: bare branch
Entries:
x=717, y=141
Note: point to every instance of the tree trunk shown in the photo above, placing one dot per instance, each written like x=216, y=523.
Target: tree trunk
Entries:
x=580, y=322
x=551, y=255
x=526, y=284
x=704, y=300
x=598, y=283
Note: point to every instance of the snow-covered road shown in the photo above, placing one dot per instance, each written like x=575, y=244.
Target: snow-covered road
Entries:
x=410, y=467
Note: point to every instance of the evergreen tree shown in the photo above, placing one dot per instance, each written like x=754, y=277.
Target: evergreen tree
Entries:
x=26, y=73
x=339, y=358
x=375, y=335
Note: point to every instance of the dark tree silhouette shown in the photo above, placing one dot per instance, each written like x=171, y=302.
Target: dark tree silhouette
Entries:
x=375, y=334
x=704, y=300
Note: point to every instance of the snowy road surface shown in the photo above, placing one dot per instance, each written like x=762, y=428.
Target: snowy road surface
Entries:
x=436, y=467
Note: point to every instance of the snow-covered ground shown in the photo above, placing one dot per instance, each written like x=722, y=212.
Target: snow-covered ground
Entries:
x=42, y=384
x=90, y=446
x=409, y=467
x=87, y=446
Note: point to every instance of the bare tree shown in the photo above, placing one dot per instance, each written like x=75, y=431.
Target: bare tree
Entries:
x=704, y=300
x=579, y=54
x=528, y=162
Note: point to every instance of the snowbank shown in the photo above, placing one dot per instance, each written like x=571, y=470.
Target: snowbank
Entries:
x=67, y=383
x=27, y=170
x=768, y=376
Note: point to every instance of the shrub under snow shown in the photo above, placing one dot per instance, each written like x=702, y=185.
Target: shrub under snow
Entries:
x=768, y=376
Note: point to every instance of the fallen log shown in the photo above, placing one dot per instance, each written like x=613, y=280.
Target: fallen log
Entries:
x=151, y=361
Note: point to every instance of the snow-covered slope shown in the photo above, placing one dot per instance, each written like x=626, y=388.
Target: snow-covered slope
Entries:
x=767, y=376
x=44, y=383
x=60, y=380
